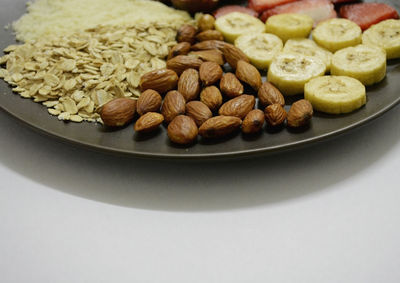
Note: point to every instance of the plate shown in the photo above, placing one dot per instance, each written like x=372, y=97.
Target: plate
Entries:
x=381, y=98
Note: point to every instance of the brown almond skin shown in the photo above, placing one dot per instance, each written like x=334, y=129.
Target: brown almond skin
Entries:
x=209, y=44
x=182, y=48
x=238, y=107
x=231, y=86
x=174, y=104
x=233, y=55
x=148, y=122
x=219, y=126
x=268, y=94
x=186, y=33
x=189, y=84
x=198, y=111
x=212, y=97
x=212, y=55
x=182, y=130
x=275, y=115
x=182, y=62
x=253, y=122
x=161, y=80
x=209, y=35
x=249, y=74
x=300, y=114
x=149, y=101
x=210, y=73
x=118, y=112
x=206, y=22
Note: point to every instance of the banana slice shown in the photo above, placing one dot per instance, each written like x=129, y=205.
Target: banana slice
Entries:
x=335, y=94
x=290, y=72
x=386, y=34
x=260, y=48
x=308, y=47
x=365, y=63
x=235, y=24
x=288, y=26
x=336, y=34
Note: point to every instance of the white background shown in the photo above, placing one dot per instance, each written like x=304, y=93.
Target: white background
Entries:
x=327, y=213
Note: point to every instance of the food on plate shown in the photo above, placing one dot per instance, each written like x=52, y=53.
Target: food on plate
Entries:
x=275, y=115
x=174, y=105
x=210, y=73
x=290, y=72
x=336, y=34
x=231, y=86
x=118, y=112
x=236, y=24
x=300, y=114
x=194, y=6
x=182, y=48
x=386, y=35
x=253, y=122
x=268, y=94
x=212, y=97
x=288, y=26
x=149, y=122
x=233, y=8
x=262, y=5
x=248, y=74
x=209, y=35
x=149, y=101
x=189, y=84
x=213, y=55
x=186, y=33
x=335, y=94
x=219, y=126
x=182, y=62
x=182, y=130
x=198, y=111
x=368, y=14
x=239, y=106
x=206, y=22
x=233, y=55
x=161, y=80
x=260, y=48
x=363, y=62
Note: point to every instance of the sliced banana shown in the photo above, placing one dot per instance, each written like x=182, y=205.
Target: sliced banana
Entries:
x=386, y=34
x=235, y=24
x=365, y=63
x=260, y=48
x=308, y=47
x=335, y=94
x=288, y=26
x=290, y=72
x=336, y=34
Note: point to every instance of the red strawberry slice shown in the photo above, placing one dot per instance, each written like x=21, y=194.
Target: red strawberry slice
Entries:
x=342, y=1
x=262, y=5
x=368, y=14
x=233, y=8
x=319, y=10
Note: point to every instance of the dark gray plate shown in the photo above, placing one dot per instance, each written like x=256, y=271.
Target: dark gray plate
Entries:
x=381, y=98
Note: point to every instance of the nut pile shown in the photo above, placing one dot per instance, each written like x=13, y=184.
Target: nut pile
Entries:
x=194, y=96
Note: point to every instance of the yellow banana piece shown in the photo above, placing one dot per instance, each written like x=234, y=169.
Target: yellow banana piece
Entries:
x=288, y=26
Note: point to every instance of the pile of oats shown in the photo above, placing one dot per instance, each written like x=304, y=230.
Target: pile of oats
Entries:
x=73, y=76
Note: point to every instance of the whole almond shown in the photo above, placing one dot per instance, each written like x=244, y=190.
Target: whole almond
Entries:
x=186, y=33
x=219, y=126
x=206, y=22
x=238, y=107
x=275, y=115
x=212, y=97
x=148, y=122
x=210, y=73
x=198, y=111
x=249, y=74
x=209, y=35
x=118, y=112
x=161, y=80
x=182, y=130
x=182, y=48
x=149, y=101
x=231, y=86
x=209, y=44
x=253, y=122
x=212, y=55
x=189, y=84
x=268, y=94
x=233, y=54
x=174, y=104
x=300, y=114
x=182, y=62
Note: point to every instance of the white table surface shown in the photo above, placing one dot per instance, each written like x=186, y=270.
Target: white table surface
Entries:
x=327, y=213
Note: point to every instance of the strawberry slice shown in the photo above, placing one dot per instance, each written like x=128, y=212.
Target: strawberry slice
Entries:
x=262, y=5
x=368, y=14
x=342, y=1
x=233, y=8
x=319, y=10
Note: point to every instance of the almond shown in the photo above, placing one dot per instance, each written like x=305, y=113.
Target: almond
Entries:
x=212, y=55
x=275, y=115
x=173, y=105
x=211, y=96
x=219, y=126
x=182, y=62
x=210, y=73
x=253, y=122
x=249, y=74
x=198, y=111
x=233, y=54
x=182, y=48
x=182, y=130
x=148, y=122
x=300, y=114
x=238, y=107
x=268, y=94
x=189, y=84
x=149, y=101
x=231, y=86
x=209, y=44
x=209, y=35
x=186, y=33
x=206, y=22
x=118, y=112
x=161, y=80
